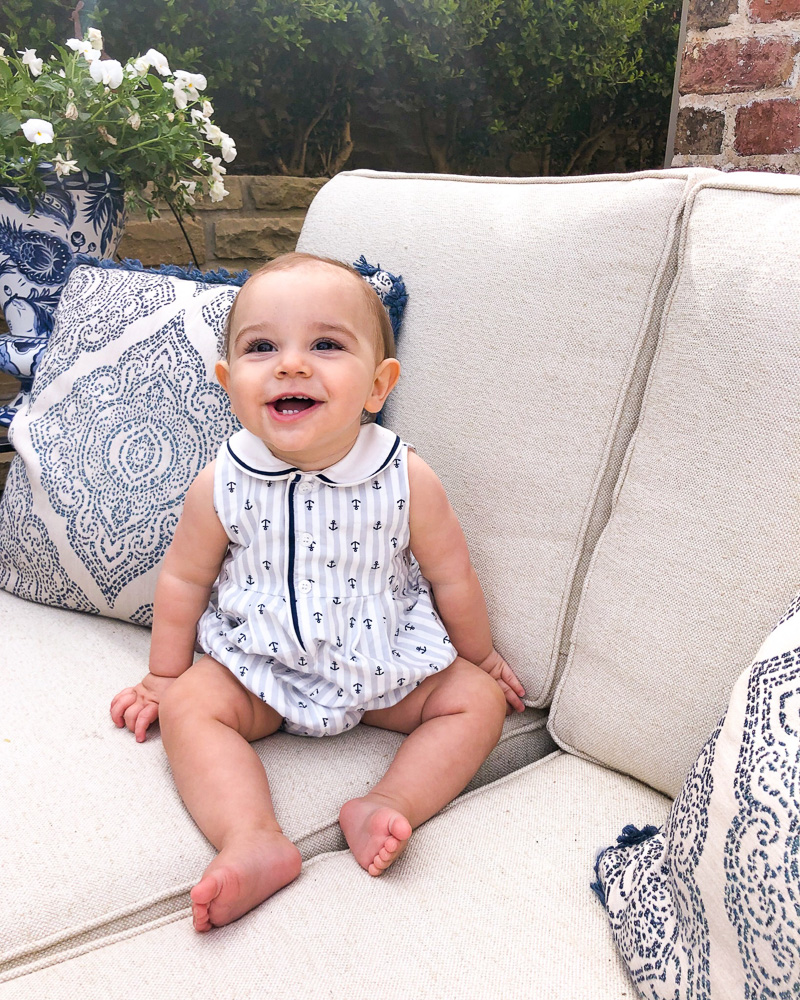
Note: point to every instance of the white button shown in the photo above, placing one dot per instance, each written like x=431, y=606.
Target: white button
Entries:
x=304, y=586
x=306, y=539
x=305, y=488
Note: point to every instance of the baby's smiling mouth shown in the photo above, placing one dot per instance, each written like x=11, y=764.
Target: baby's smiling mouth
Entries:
x=291, y=405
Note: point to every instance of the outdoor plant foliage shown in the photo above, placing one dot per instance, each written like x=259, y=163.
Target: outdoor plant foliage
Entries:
x=474, y=82
x=76, y=111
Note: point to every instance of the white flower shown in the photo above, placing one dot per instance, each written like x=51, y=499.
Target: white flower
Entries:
x=38, y=131
x=30, y=60
x=135, y=120
x=170, y=116
x=64, y=167
x=138, y=67
x=214, y=134
x=228, y=149
x=191, y=82
x=95, y=38
x=107, y=71
x=216, y=190
x=181, y=100
x=3, y=56
x=198, y=116
x=208, y=111
x=85, y=48
x=158, y=61
x=71, y=112
x=217, y=170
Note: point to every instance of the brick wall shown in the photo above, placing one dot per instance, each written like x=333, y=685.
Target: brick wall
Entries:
x=739, y=86
x=260, y=218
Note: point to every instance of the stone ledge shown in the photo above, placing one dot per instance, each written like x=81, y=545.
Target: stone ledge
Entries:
x=256, y=237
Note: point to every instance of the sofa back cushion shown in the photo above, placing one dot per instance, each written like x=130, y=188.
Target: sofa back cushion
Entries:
x=702, y=550
x=531, y=320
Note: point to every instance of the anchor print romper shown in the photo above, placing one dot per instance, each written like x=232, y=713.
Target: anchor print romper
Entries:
x=320, y=609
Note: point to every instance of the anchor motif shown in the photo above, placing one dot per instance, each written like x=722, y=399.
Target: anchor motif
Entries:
x=395, y=653
x=261, y=608
x=231, y=487
x=401, y=504
x=302, y=661
x=248, y=505
x=317, y=616
x=302, y=704
x=230, y=649
x=324, y=722
x=274, y=647
x=376, y=485
x=309, y=504
x=368, y=623
x=356, y=504
x=446, y=640
x=379, y=672
x=394, y=543
x=396, y=463
x=266, y=564
x=352, y=623
x=339, y=692
x=339, y=641
x=333, y=526
x=241, y=637
x=355, y=546
x=265, y=523
x=433, y=666
x=401, y=681
x=422, y=649
x=337, y=600
x=376, y=565
x=377, y=525
x=250, y=579
x=242, y=671
x=235, y=529
x=352, y=581
x=357, y=687
x=330, y=564
x=409, y=627
x=334, y=665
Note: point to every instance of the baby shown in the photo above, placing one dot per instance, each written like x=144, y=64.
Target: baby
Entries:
x=321, y=569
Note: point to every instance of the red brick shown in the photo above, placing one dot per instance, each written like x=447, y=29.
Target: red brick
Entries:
x=711, y=13
x=768, y=127
x=773, y=10
x=732, y=65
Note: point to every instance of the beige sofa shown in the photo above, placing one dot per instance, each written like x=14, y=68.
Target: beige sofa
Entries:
x=603, y=371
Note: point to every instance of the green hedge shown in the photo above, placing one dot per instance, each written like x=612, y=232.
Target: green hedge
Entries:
x=560, y=85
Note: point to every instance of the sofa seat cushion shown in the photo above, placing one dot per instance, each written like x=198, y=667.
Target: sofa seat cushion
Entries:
x=93, y=837
x=491, y=899
x=532, y=313
x=702, y=550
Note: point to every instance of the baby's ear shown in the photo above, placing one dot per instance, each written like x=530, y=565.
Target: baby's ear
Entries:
x=386, y=375
x=223, y=372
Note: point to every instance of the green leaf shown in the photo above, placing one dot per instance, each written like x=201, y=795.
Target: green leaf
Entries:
x=9, y=124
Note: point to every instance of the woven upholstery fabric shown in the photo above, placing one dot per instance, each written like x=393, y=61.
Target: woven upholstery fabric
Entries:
x=93, y=837
x=702, y=551
x=526, y=339
x=708, y=908
x=491, y=899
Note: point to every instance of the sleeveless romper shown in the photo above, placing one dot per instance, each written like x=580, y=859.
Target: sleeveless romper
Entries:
x=320, y=609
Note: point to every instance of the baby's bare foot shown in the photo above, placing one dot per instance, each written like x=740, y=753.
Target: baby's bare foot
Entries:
x=243, y=874
x=375, y=833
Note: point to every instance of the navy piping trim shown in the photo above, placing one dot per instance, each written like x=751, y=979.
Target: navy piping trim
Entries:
x=253, y=469
x=380, y=468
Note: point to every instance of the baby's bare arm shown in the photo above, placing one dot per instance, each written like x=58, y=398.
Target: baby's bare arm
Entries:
x=440, y=548
x=184, y=584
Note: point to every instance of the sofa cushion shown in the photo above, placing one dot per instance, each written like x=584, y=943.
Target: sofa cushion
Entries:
x=733, y=825
x=702, y=551
x=94, y=840
x=491, y=899
x=530, y=325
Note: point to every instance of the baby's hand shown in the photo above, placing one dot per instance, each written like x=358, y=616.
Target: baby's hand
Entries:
x=495, y=665
x=137, y=707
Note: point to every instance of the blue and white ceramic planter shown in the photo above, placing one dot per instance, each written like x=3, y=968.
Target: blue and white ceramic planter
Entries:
x=82, y=213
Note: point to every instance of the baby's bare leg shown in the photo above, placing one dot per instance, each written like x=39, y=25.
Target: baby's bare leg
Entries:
x=207, y=722
x=454, y=719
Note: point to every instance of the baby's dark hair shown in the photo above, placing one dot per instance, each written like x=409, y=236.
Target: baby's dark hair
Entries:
x=384, y=335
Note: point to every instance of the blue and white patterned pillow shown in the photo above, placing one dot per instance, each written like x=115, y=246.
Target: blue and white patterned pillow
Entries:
x=710, y=907
x=124, y=411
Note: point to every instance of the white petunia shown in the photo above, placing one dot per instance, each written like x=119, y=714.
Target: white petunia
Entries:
x=85, y=48
x=71, y=112
x=198, y=116
x=192, y=83
x=157, y=61
x=64, y=168
x=3, y=56
x=228, y=149
x=181, y=100
x=33, y=63
x=38, y=131
x=217, y=191
x=107, y=72
x=214, y=133
x=208, y=111
x=96, y=38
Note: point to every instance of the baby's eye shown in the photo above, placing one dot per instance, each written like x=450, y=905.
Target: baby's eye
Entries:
x=327, y=345
x=259, y=347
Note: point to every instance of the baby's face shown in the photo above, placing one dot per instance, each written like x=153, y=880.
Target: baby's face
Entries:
x=302, y=364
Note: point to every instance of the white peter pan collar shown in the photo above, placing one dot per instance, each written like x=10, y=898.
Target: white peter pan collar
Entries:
x=375, y=447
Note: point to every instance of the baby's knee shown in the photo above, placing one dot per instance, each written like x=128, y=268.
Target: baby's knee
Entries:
x=482, y=695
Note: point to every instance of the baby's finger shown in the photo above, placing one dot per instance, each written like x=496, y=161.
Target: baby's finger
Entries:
x=512, y=699
x=120, y=704
x=148, y=715
x=131, y=714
